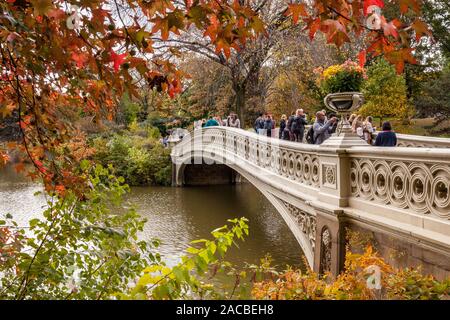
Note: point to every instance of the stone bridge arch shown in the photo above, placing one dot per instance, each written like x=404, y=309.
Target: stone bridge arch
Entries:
x=304, y=231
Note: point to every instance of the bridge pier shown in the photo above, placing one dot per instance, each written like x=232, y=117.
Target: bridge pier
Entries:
x=329, y=255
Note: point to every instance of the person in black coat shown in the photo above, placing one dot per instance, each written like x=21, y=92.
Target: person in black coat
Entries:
x=269, y=124
x=283, y=123
x=298, y=125
x=290, y=135
x=386, y=138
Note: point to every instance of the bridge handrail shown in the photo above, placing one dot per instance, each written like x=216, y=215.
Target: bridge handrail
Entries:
x=250, y=134
x=418, y=152
x=404, y=140
x=271, y=154
x=409, y=140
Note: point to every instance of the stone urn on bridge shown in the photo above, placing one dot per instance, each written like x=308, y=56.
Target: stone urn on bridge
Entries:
x=342, y=84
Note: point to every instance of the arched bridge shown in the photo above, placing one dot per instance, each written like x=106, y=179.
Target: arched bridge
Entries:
x=398, y=196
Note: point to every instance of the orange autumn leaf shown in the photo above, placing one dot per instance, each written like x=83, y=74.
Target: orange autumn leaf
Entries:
x=296, y=10
x=421, y=29
x=362, y=58
x=406, y=4
x=80, y=59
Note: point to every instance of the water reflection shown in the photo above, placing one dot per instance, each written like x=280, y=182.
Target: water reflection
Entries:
x=179, y=215
x=17, y=197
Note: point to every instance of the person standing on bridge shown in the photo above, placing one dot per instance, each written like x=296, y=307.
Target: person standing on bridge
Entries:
x=289, y=125
x=298, y=125
x=322, y=129
x=269, y=124
x=233, y=121
x=211, y=122
x=282, y=133
x=386, y=138
x=259, y=123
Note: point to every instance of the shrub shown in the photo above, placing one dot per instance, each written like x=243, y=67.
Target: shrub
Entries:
x=141, y=160
x=352, y=283
x=137, y=171
x=80, y=248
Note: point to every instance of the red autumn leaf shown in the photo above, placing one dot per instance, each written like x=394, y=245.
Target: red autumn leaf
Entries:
x=389, y=28
x=400, y=57
x=60, y=189
x=56, y=14
x=80, y=59
x=4, y=158
x=314, y=26
x=335, y=32
x=23, y=124
x=38, y=163
x=20, y=167
x=368, y=3
x=222, y=45
x=174, y=88
x=118, y=59
x=362, y=57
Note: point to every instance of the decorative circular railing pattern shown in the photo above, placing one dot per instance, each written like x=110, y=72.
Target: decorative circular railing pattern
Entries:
x=296, y=162
x=423, y=188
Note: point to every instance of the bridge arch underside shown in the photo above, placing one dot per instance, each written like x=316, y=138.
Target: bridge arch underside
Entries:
x=299, y=216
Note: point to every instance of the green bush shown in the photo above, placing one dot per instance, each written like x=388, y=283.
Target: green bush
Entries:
x=141, y=160
x=130, y=111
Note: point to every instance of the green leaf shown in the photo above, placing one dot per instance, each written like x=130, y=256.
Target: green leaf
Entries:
x=33, y=222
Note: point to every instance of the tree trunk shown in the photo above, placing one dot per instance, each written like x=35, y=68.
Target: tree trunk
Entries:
x=239, y=90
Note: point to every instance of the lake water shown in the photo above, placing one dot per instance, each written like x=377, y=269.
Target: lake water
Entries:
x=179, y=215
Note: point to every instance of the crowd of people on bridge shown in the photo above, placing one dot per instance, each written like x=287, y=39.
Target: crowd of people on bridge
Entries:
x=231, y=121
x=296, y=127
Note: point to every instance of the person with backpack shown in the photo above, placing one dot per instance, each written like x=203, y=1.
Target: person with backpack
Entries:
x=290, y=135
x=310, y=135
x=298, y=125
x=212, y=122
